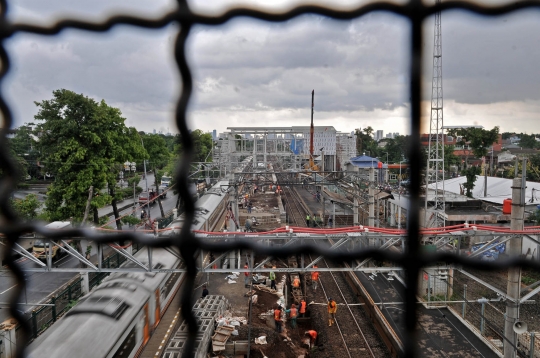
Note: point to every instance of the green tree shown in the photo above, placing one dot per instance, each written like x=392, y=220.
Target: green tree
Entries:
x=82, y=142
x=527, y=141
x=480, y=141
x=470, y=173
x=27, y=208
x=449, y=157
x=160, y=156
x=23, y=148
x=365, y=141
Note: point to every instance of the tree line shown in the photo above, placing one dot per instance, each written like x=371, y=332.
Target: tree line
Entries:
x=78, y=143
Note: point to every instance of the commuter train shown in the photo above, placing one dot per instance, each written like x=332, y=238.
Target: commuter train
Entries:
x=117, y=318
x=209, y=210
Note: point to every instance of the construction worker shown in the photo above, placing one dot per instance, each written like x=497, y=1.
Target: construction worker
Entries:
x=312, y=337
x=246, y=275
x=293, y=313
x=296, y=282
x=277, y=318
x=332, y=308
x=303, y=305
x=307, y=220
x=315, y=278
x=273, y=279
x=204, y=292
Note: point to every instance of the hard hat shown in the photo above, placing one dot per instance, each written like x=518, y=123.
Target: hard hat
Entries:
x=329, y=298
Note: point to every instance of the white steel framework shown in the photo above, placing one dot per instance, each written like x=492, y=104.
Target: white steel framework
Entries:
x=434, y=204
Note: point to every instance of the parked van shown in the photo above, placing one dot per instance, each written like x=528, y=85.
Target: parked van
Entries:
x=42, y=246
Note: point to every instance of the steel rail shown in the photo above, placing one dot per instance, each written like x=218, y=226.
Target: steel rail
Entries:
x=350, y=311
x=296, y=211
x=337, y=324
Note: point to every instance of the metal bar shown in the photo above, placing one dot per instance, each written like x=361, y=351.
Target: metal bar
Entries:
x=129, y=257
x=486, y=246
x=72, y=252
x=23, y=252
x=493, y=288
x=261, y=270
x=333, y=247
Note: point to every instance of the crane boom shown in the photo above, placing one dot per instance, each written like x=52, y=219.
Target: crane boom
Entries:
x=311, y=131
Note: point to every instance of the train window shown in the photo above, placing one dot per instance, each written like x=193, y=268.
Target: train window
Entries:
x=128, y=345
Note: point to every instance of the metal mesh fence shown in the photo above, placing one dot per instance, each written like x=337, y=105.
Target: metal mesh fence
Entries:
x=412, y=260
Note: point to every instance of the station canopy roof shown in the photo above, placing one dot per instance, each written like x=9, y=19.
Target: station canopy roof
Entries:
x=364, y=161
x=498, y=189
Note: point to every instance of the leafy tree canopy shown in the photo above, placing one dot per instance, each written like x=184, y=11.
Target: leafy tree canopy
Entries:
x=528, y=141
x=81, y=140
x=480, y=140
x=202, y=145
x=158, y=154
x=27, y=208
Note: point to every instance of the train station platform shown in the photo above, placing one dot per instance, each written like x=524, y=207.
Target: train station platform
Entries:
x=440, y=332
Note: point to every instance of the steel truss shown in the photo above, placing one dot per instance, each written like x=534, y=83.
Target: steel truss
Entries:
x=355, y=243
x=435, y=213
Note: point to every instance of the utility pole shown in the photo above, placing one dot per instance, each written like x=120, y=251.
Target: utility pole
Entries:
x=514, y=250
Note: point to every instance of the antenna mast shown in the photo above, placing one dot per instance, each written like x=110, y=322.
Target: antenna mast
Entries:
x=435, y=211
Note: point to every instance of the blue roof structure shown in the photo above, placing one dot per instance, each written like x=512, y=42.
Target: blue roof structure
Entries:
x=364, y=161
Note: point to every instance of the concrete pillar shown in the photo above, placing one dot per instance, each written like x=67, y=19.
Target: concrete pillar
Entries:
x=254, y=154
x=371, y=195
x=8, y=337
x=265, y=150
x=356, y=219
x=85, y=284
x=513, y=249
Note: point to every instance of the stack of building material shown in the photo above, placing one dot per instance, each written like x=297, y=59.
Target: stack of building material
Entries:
x=220, y=337
x=206, y=311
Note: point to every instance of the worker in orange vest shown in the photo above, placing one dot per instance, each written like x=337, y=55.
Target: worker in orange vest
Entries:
x=332, y=308
x=315, y=278
x=296, y=282
x=312, y=335
x=293, y=313
x=303, y=307
x=277, y=318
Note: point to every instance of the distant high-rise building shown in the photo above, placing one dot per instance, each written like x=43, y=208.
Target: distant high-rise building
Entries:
x=395, y=134
x=154, y=131
x=379, y=134
x=214, y=134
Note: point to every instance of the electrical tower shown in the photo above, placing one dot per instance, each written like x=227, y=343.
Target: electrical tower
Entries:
x=434, y=207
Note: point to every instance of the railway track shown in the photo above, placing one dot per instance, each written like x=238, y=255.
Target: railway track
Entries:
x=294, y=208
x=357, y=336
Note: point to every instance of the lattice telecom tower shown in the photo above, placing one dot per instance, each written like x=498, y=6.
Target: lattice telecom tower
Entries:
x=435, y=212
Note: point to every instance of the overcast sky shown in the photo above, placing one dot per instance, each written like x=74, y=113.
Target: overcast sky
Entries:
x=252, y=73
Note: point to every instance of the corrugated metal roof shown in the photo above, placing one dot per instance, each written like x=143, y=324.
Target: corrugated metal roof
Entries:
x=498, y=189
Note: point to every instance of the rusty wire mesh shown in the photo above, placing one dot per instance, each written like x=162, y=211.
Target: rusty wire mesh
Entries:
x=413, y=260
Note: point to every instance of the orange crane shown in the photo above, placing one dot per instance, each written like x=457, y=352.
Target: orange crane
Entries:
x=311, y=164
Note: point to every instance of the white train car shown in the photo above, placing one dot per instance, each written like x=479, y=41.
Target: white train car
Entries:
x=210, y=209
x=116, y=319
